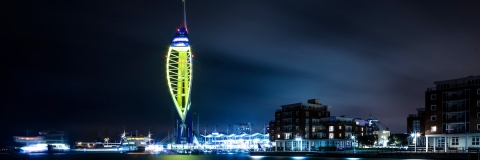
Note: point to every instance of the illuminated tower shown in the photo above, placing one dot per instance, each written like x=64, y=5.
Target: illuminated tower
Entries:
x=179, y=76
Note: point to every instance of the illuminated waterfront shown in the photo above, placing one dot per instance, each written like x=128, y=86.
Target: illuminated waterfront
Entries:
x=142, y=156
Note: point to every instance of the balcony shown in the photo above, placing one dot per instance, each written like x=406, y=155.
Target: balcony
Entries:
x=454, y=131
x=318, y=130
x=463, y=83
x=453, y=120
x=455, y=108
x=337, y=121
x=456, y=97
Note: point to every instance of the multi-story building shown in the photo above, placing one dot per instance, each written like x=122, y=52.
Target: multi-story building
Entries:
x=416, y=127
x=302, y=126
x=452, y=113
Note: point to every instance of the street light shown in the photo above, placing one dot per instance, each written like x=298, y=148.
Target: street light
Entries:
x=415, y=135
x=353, y=143
x=299, y=139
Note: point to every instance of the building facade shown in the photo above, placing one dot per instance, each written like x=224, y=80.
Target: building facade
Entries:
x=452, y=114
x=304, y=126
x=416, y=127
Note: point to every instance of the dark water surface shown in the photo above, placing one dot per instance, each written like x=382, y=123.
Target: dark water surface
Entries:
x=143, y=156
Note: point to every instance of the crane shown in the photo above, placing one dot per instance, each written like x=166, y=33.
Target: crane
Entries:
x=377, y=123
x=382, y=133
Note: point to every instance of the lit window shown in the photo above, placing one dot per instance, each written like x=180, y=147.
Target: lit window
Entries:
x=434, y=128
x=288, y=135
x=416, y=125
x=433, y=97
x=340, y=135
x=278, y=135
x=433, y=118
x=362, y=129
x=433, y=107
x=330, y=136
x=330, y=128
x=362, y=133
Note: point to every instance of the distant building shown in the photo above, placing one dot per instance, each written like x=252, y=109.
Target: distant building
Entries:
x=416, y=124
x=303, y=126
x=452, y=113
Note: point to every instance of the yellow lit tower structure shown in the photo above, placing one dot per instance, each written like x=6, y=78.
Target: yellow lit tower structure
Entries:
x=179, y=77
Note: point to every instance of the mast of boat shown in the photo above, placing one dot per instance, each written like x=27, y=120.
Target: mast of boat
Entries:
x=198, y=125
x=149, y=136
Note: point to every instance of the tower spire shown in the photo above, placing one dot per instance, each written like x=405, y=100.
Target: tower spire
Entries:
x=184, y=15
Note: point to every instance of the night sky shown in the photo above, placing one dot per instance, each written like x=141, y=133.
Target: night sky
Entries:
x=89, y=67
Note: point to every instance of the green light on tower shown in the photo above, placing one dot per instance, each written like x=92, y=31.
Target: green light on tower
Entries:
x=179, y=70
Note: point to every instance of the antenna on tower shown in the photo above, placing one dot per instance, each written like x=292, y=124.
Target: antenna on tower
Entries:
x=184, y=15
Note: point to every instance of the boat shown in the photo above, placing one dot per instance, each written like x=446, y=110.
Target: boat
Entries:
x=47, y=141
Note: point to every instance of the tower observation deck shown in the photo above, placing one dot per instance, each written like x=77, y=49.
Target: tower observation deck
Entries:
x=179, y=78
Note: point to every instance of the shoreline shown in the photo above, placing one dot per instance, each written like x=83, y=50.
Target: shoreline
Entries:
x=418, y=155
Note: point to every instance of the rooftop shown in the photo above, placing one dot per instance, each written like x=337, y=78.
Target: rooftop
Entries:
x=454, y=83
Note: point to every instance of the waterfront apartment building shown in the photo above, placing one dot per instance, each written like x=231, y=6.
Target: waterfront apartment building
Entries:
x=452, y=113
x=303, y=126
